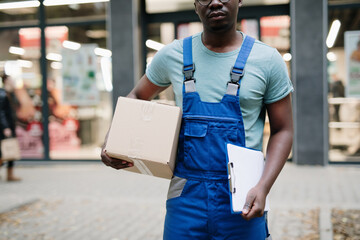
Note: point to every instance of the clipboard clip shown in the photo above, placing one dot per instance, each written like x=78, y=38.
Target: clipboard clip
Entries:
x=231, y=177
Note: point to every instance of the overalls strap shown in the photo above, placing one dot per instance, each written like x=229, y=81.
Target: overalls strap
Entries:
x=189, y=66
x=237, y=71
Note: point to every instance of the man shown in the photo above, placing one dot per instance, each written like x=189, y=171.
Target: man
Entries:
x=219, y=108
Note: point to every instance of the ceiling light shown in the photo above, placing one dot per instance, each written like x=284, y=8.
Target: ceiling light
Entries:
x=154, y=45
x=74, y=6
x=25, y=63
x=56, y=65
x=102, y=52
x=334, y=30
x=331, y=56
x=68, y=2
x=105, y=64
x=287, y=57
x=16, y=50
x=54, y=57
x=71, y=45
x=21, y=4
x=96, y=33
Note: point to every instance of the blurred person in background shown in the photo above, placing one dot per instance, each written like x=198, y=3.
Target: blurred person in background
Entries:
x=337, y=90
x=7, y=119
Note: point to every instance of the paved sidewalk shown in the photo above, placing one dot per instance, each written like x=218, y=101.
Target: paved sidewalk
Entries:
x=91, y=201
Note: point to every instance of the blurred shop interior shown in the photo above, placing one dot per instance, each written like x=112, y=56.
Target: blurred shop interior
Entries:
x=64, y=83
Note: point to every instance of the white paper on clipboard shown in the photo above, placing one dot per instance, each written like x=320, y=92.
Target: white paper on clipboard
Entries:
x=245, y=167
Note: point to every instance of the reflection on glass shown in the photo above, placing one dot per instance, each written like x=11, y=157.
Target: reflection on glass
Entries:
x=249, y=27
x=20, y=12
x=62, y=10
x=19, y=58
x=275, y=31
x=344, y=99
x=157, y=6
x=79, y=88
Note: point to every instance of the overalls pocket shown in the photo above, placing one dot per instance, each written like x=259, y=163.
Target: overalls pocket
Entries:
x=196, y=148
x=204, y=142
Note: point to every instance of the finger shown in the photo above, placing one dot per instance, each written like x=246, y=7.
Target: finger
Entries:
x=253, y=213
x=248, y=204
x=105, y=159
x=246, y=208
x=112, y=162
x=122, y=165
x=119, y=164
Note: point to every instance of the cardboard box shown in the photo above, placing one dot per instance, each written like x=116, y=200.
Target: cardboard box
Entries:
x=145, y=133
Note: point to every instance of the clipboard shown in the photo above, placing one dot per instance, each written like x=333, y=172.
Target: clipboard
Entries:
x=245, y=168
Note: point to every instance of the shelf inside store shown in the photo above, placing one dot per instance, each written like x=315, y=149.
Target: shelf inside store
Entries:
x=342, y=100
x=344, y=124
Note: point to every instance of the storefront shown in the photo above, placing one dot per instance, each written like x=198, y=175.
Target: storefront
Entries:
x=58, y=54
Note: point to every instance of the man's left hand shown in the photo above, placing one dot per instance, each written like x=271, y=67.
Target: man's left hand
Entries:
x=255, y=203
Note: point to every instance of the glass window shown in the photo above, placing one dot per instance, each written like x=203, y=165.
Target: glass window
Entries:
x=19, y=59
x=187, y=29
x=265, y=2
x=344, y=88
x=275, y=31
x=249, y=27
x=79, y=88
x=11, y=14
x=75, y=12
x=79, y=81
x=157, y=6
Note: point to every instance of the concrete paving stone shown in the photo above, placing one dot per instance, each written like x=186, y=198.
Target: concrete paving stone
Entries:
x=92, y=201
x=292, y=224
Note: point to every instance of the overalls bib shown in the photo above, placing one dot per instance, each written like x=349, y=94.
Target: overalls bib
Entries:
x=198, y=205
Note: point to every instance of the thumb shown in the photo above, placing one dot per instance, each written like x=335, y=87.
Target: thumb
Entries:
x=248, y=204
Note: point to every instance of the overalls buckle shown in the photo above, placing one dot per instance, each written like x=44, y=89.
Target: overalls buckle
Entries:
x=189, y=72
x=236, y=74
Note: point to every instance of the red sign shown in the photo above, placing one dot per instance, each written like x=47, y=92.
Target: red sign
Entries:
x=30, y=37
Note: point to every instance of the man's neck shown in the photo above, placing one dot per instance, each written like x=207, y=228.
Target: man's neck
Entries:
x=222, y=41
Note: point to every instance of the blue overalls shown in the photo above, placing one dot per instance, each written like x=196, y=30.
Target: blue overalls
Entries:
x=198, y=205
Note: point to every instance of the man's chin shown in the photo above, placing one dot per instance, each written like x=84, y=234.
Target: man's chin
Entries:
x=221, y=27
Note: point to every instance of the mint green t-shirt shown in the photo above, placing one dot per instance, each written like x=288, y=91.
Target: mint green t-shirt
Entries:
x=266, y=79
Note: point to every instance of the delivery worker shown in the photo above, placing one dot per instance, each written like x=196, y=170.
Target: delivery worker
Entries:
x=224, y=81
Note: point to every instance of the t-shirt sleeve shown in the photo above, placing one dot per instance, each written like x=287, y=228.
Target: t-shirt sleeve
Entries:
x=279, y=84
x=156, y=71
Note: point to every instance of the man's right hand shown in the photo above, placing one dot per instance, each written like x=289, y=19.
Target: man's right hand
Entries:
x=113, y=162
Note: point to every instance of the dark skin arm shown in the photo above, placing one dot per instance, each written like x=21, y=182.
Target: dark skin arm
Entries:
x=144, y=90
x=279, y=147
